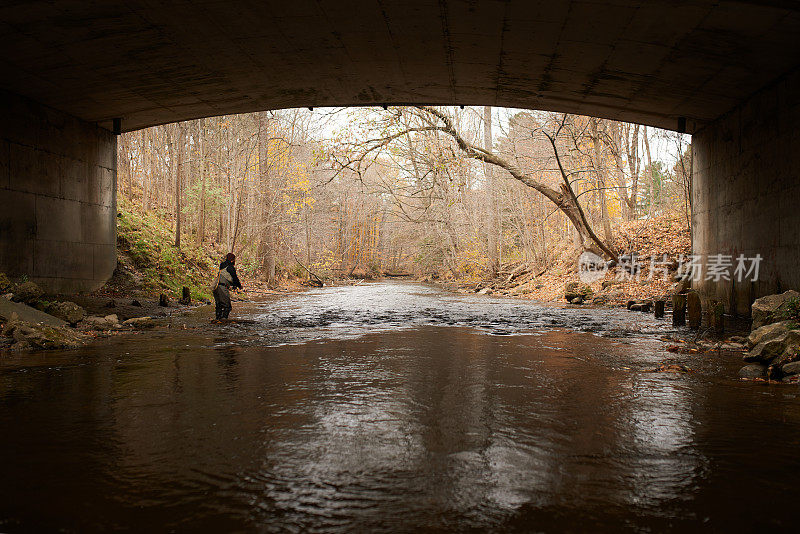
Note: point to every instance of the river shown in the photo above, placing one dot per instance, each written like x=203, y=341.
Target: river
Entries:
x=394, y=406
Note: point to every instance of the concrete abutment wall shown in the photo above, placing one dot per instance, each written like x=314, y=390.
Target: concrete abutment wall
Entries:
x=746, y=194
x=57, y=197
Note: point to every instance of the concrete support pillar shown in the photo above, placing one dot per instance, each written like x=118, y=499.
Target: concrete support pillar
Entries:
x=57, y=197
x=746, y=194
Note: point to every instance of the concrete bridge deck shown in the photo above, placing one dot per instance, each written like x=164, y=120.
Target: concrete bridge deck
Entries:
x=723, y=70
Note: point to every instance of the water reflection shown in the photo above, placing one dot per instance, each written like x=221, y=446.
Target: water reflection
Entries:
x=412, y=426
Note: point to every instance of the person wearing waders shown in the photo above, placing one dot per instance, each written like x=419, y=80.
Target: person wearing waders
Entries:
x=222, y=288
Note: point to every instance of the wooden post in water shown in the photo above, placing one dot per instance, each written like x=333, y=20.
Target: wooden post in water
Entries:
x=695, y=310
x=718, y=317
x=678, y=310
x=659, y=313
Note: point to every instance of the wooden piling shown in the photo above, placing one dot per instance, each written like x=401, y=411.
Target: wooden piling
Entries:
x=718, y=318
x=678, y=310
x=694, y=309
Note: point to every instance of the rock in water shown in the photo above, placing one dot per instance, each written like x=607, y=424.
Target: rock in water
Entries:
x=777, y=350
x=39, y=336
x=772, y=308
x=792, y=368
x=140, y=322
x=109, y=322
x=770, y=331
x=752, y=371
x=67, y=311
x=27, y=292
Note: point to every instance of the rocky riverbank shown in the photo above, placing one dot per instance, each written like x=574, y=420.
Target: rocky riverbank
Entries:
x=32, y=320
x=774, y=342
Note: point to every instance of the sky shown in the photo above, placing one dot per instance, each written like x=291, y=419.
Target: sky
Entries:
x=663, y=146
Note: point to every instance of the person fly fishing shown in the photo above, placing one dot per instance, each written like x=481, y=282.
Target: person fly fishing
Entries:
x=226, y=279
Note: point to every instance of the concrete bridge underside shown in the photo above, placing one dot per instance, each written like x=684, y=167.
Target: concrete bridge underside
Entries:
x=727, y=70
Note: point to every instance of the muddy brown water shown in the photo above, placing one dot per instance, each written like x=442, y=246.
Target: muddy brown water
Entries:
x=394, y=407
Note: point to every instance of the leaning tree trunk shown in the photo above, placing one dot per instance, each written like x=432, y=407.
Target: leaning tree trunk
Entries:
x=564, y=198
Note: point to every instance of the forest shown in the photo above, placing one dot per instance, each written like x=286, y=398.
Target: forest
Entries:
x=458, y=194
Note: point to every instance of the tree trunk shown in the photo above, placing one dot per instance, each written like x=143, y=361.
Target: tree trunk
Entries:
x=201, y=223
x=491, y=191
x=600, y=170
x=178, y=179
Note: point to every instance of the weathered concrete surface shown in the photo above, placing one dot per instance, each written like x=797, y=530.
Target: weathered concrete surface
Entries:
x=746, y=193
x=27, y=314
x=647, y=61
x=57, y=197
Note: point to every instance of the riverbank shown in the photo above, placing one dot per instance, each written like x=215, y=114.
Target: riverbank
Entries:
x=650, y=254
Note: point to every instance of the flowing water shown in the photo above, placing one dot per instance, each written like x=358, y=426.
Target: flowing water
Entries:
x=394, y=407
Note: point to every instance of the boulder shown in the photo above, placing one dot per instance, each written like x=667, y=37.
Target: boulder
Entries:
x=772, y=308
x=753, y=371
x=140, y=322
x=27, y=292
x=67, y=311
x=770, y=331
x=792, y=368
x=574, y=290
x=576, y=300
x=40, y=336
x=109, y=322
x=485, y=291
x=5, y=283
x=791, y=351
x=783, y=346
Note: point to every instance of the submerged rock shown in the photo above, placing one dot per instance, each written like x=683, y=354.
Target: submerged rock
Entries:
x=772, y=308
x=140, y=322
x=66, y=311
x=753, y=371
x=109, y=322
